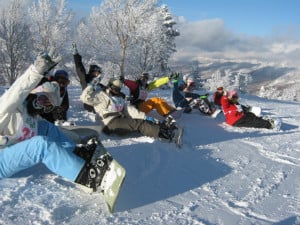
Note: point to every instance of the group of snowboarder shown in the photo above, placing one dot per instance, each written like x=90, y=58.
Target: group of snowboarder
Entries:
x=26, y=139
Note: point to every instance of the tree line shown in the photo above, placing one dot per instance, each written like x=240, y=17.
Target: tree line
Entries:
x=125, y=37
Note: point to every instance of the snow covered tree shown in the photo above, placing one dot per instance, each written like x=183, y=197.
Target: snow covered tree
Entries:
x=15, y=41
x=129, y=33
x=50, y=24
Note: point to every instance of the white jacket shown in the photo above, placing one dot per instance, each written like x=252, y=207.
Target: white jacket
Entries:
x=15, y=124
x=102, y=102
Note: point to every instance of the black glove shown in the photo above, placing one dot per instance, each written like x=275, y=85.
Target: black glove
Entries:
x=174, y=76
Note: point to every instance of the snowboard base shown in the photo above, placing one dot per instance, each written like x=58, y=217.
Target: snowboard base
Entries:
x=215, y=113
x=178, y=137
x=111, y=184
x=255, y=110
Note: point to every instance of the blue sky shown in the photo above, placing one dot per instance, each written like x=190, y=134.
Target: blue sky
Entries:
x=250, y=17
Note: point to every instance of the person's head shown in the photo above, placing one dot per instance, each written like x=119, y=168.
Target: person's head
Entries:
x=43, y=98
x=181, y=85
x=233, y=96
x=95, y=70
x=62, y=78
x=220, y=91
x=144, y=77
x=190, y=83
x=115, y=86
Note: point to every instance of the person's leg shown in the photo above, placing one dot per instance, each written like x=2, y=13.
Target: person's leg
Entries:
x=250, y=120
x=57, y=156
x=50, y=130
x=123, y=126
x=161, y=106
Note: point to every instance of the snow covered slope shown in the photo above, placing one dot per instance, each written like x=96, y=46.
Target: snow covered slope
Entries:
x=222, y=175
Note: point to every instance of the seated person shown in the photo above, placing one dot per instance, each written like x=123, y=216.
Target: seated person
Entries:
x=188, y=100
x=27, y=140
x=139, y=92
x=217, y=96
x=236, y=116
x=59, y=113
x=93, y=75
x=120, y=118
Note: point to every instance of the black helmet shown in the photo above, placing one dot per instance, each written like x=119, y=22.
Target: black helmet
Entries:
x=95, y=68
x=144, y=75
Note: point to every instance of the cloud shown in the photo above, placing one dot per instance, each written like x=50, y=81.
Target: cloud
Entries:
x=212, y=39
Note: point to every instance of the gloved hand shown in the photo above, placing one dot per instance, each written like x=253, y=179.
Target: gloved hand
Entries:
x=74, y=49
x=151, y=119
x=174, y=76
x=239, y=108
x=122, y=79
x=45, y=62
x=95, y=82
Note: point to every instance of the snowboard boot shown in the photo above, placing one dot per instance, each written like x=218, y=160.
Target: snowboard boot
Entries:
x=171, y=133
x=86, y=151
x=169, y=122
x=275, y=124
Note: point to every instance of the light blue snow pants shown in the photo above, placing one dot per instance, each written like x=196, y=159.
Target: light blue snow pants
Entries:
x=50, y=147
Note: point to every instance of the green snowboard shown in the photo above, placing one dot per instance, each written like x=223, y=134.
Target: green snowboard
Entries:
x=112, y=179
x=112, y=183
x=115, y=174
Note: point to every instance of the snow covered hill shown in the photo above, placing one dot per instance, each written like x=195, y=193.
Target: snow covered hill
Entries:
x=222, y=175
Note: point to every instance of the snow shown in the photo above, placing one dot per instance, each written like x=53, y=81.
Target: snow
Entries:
x=221, y=175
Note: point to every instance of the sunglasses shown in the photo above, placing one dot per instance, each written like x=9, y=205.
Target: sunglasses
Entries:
x=43, y=102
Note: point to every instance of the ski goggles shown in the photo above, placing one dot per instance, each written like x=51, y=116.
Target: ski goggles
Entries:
x=42, y=102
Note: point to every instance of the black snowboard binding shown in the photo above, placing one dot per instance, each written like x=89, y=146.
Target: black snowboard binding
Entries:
x=86, y=151
x=97, y=163
x=168, y=129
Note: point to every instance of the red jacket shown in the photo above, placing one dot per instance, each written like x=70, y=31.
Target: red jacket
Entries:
x=230, y=110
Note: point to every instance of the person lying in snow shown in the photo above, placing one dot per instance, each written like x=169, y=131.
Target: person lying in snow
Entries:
x=236, y=116
x=26, y=139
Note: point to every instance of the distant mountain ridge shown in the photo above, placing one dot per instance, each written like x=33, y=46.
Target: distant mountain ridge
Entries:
x=268, y=80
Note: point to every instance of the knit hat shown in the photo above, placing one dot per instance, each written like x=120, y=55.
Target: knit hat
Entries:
x=51, y=90
x=61, y=73
x=115, y=85
x=232, y=94
x=95, y=68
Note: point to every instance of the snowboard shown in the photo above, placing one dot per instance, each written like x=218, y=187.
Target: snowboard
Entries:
x=215, y=113
x=178, y=136
x=114, y=176
x=255, y=110
x=112, y=181
x=277, y=124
